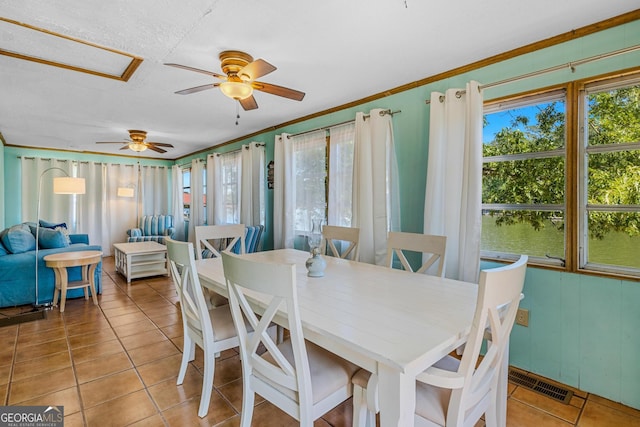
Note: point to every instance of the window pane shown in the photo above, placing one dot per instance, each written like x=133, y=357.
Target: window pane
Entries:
x=614, y=178
x=533, y=181
x=614, y=116
x=523, y=182
x=534, y=233
x=611, y=247
x=311, y=174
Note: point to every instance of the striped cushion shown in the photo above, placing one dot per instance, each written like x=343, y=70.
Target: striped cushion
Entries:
x=152, y=228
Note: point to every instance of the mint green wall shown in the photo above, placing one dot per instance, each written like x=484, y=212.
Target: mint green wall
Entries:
x=12, y=173
x=582, y=329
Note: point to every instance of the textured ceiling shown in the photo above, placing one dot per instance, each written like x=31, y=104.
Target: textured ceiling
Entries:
x=335, y=51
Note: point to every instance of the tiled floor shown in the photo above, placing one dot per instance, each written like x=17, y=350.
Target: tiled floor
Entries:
x=117, y=364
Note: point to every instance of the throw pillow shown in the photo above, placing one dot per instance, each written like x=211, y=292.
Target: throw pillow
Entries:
x=18, y=239
x=62, y=227
x=52, y=239
x=3, y=251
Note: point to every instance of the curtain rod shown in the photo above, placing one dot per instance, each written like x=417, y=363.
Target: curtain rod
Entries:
x=382, y=113
x=571, y=65
x=246, y=147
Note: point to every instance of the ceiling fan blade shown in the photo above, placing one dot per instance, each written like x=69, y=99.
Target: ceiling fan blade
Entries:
x=126, y=147
x=156, y=149
x=197, y=70
x=278, y=90
x=160, y=144
x=255, y=70
x=196, y=89
x=112, y=142
x=249, y=103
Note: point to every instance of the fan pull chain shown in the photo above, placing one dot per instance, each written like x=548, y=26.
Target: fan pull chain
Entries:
x=237, y=112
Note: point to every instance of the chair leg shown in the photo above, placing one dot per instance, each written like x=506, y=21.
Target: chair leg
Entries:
x=362, y=415
x=248, y=400
x=188, y=353
x=207, y=384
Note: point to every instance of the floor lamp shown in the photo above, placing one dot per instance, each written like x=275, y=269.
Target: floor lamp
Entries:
x=61, y=185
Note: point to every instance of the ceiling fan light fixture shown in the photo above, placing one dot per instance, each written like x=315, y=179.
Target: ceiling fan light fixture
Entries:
x=138, y=146
x=236, y=90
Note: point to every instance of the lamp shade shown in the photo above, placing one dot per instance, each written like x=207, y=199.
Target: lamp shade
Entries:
x=68, y=185
x=236, y=90
x=138, y=146
x=125, y=192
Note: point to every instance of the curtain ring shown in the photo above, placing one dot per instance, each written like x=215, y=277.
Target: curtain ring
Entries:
x=458, y=94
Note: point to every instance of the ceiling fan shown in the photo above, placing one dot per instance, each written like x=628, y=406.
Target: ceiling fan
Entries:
x=240, y=79
x=137, y=142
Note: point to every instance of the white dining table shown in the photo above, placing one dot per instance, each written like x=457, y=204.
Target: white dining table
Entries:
x=391, y=322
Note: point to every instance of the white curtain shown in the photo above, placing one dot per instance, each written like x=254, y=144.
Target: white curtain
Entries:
x=376, y=207
x=215, y=204
x=454, y=178
x=252, y=209
x=284, y=188
x=177, y=201
x=341, y=175
x=120, y=212
x=197, y=216
x=154, y=195
x=56, y=208
x=90, y=212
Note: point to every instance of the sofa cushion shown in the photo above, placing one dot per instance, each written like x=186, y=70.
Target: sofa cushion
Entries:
x=61, y=226
x=52, y=239
x=3, y=250
x=18, y=239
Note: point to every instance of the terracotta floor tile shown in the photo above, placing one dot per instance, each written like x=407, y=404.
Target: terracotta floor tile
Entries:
x=25, y=352
x=73, y=420
x=33, y=387
x=121, y=411
x=614, y=405
x=108, y=388
x=95, y=351
x=173, y=331
x=568, y=413
x=154, y=421
x=167, y=320
x=167, y=393
x=88, y=327
x=39, y=338
x=41, y=365
x=5, y=371
x=227, y=370
x=91, y=338
x=69, y=398
x=186, y=413
x=233, y=393
x=134, y=328
x=120, y=311
x=596, y=414
x=152, y=352
x=160, y=370
x=143, y=339
x=51, y=321
x=126, y=319
x=522, y=415
x=102, y=367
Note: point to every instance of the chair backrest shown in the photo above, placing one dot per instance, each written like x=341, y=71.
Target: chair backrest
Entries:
x=275, y=379
x=195, y=313
x=332, y=234
x=428, y=244
x=204, y=234
x=499, y=294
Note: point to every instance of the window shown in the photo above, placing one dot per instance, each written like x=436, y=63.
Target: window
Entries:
x=231, y=186
x=609, y=176
x=186, y=193
x=323, y=162
x=523, y=184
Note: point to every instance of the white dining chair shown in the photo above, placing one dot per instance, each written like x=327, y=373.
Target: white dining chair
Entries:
x=457, y=392
x=431, y=246
x=212, y=330
x=297, y=376
x=211, y=240
x=334, y=236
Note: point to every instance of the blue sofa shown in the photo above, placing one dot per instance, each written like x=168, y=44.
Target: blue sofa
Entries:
x=17, y=272
x=152, y=228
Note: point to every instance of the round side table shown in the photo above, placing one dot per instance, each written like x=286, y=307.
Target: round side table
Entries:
x=88, y=260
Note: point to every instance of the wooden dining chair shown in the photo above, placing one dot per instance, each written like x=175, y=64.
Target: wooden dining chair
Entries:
x=212, y=330
x=457, y=392
x=297, y=376
x=432, y=247
x=211, y=240
x=334, y=236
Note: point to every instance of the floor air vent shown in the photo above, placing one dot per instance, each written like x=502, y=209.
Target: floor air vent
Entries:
x=540, y=386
